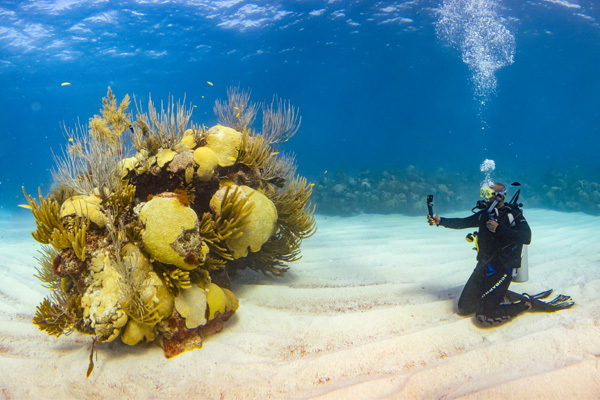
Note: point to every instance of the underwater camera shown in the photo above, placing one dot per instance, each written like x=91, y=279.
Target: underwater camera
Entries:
x=430, y=204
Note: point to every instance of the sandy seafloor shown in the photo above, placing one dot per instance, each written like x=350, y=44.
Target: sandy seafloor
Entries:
x=367, y=313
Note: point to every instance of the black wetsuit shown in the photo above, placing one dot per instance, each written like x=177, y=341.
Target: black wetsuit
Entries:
x=499, y=252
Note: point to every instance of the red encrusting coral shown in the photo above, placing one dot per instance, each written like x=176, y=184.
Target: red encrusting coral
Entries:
x=56, y=265
x=190, y=258
x=183, y=339
x=68, y=265
x=182, y=196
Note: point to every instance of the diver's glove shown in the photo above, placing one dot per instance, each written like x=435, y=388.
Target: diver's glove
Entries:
x=561, y=302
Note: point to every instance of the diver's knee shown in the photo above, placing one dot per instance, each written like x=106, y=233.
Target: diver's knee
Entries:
x=467, y=303
x=464, y=310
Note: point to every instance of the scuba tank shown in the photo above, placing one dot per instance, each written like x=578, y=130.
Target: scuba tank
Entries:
x=520, y=274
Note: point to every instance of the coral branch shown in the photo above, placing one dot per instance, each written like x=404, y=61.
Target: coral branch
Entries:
x=254, y=152
x=294, y=212
x=45, y=273
x=57, y=315
x=280, y=121
x=47, y=217
x=74, y=236
x=165, y=126
x=234, y=211
x=89, y=164
x=113, y=122
x=238, y=113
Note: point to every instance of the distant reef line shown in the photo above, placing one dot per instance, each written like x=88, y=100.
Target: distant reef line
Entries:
x=404, y=191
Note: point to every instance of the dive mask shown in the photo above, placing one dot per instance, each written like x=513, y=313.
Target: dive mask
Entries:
x=487, y=193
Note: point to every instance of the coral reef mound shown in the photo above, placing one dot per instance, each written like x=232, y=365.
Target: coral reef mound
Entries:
x=142, y=248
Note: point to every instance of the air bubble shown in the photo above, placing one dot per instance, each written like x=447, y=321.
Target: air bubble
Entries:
x=476, y=29
x=487, y=167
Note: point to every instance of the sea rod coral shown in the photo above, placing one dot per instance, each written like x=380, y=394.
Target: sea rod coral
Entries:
x=142, y=248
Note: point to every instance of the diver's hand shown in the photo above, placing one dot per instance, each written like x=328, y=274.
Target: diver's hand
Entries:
x=491, y=225
x=435, y=220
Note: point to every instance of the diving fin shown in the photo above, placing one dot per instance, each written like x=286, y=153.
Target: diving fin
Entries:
x=542, y=295
x=561, y=302
x=515, y=297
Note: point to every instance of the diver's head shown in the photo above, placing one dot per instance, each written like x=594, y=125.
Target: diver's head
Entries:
x=492, y=192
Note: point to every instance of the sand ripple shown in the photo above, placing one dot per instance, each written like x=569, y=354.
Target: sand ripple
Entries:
x=367, y=313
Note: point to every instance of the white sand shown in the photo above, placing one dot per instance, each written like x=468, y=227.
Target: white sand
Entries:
x=367, y=313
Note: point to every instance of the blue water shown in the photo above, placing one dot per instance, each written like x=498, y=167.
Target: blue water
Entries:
x=379, y=84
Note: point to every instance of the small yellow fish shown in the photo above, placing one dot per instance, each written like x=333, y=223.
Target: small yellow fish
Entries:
x=274, y=153
x=325, y=172
x=236, y=108
x=312, y=184
x=195, y=106
x=24, y=206
x=71, y=139
x=210, y=83
x=238, y=115
x=65, y=84
x=202, y=96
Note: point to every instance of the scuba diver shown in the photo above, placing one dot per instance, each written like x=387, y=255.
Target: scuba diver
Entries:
x=502, y=233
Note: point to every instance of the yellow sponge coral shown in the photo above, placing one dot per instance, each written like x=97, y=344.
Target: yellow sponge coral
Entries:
x=146, y=299
x=207, y=161
x=135, y=331
x=220, y=300
x=191, y=304
x=257, y=228
x=147, y=296
x=171, y=233
x=128, y=164
x=84, y=206
x=188, y=139
x=165, y=156
x=232, y=301
x=225, y=142
x=102, y=300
